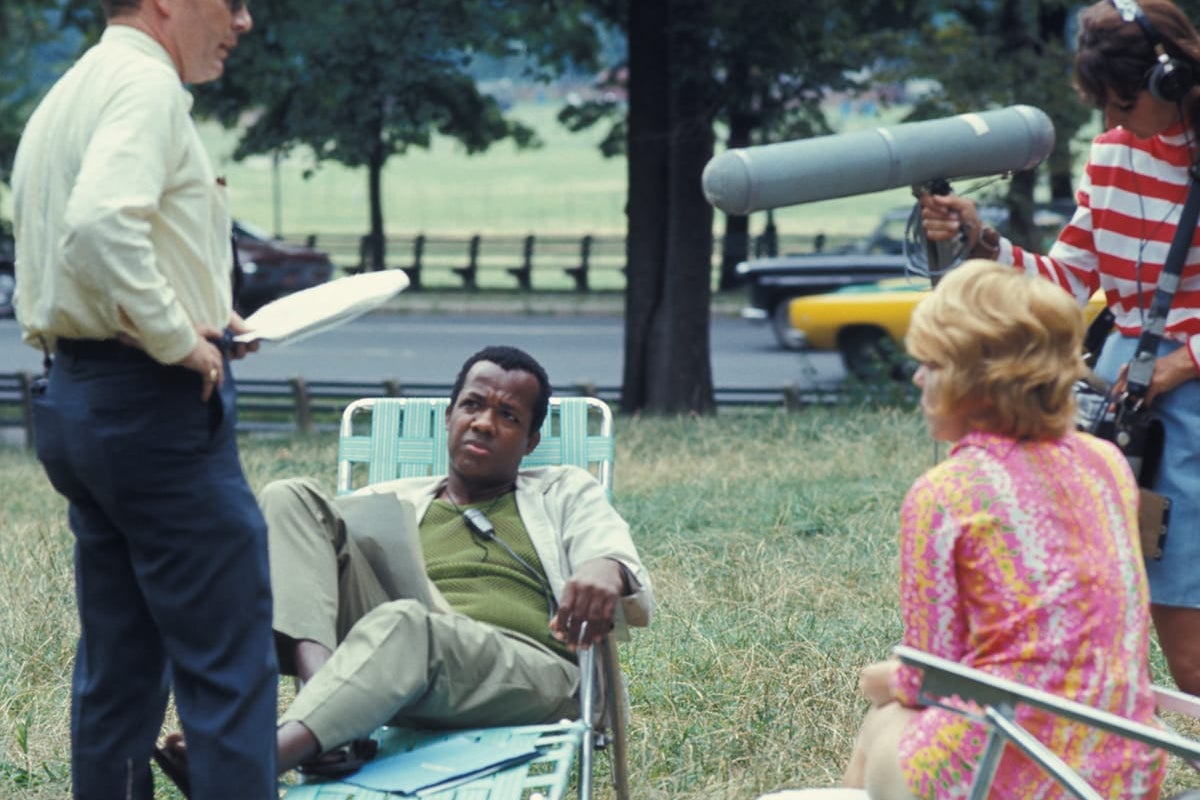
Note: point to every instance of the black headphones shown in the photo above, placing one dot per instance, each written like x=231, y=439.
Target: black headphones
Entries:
x=1170, y=79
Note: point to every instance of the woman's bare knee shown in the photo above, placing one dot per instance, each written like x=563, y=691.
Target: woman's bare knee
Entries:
x=880, y=742
x=1179, y=635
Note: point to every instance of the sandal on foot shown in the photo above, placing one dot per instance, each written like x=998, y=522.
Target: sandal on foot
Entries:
x=172, y=760
x=341, y=761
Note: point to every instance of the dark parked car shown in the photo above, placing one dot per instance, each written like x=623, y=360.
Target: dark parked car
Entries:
x=272, y=268
x=772, y=282
x=8, y=281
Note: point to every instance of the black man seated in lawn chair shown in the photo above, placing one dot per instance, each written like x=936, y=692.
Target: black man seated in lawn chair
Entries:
x=522, y=567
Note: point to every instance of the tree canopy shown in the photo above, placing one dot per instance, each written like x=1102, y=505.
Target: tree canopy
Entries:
x=696, y=67
x=359, y=81
x=33, y=48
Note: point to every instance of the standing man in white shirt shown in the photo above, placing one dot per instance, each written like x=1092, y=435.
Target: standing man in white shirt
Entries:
x=123, y=274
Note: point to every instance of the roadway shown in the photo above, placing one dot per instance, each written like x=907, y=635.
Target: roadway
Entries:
x=428, y=348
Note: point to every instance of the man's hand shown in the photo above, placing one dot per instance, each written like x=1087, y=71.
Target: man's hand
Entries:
x=206, y=359
x=875, y=681
x=240, y=349
x=590, y=597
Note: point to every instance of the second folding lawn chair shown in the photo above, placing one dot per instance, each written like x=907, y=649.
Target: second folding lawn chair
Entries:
x=998, y=698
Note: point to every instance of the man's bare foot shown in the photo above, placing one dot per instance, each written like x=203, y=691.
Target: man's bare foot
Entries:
x=171, y=757
x=294, y=743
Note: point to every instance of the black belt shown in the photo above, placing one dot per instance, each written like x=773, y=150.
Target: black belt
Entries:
x=100, y=350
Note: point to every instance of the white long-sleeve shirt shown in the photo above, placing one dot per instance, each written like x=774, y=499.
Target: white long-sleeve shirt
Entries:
x=121, y=225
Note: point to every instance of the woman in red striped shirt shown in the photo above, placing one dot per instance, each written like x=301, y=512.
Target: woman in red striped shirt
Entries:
x=1139, y=64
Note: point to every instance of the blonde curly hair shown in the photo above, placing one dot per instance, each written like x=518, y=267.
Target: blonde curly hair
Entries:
x=1008, y=347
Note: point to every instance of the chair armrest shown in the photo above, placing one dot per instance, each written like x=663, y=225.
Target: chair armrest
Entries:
x=945, y=678
x=1174, y=700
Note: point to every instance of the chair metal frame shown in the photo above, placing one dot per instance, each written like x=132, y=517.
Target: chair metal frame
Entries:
x=998, y=699
x=407, y=438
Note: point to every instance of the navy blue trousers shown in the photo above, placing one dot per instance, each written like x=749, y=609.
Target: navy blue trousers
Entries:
x=171, y=575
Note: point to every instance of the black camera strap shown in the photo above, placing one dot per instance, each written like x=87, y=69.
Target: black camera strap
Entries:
x=1141, y=368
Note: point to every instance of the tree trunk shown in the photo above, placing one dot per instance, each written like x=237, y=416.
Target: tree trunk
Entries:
x=376, y=249
x=735, y=248
x=1055, y=24
x=1061, y=178
x=668, y=295
x=735, y=245
x=646, y=206
x=682, y=372
x=1020, y=210
x=1019, y=41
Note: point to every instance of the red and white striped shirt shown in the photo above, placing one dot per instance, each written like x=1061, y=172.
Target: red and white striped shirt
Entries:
x=1129, y=203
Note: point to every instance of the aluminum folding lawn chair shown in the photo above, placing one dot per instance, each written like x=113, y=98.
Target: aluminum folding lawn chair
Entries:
x=386, y=438
x=998, y=698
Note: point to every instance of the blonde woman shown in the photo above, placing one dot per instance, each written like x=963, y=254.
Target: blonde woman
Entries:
x=1019, y=554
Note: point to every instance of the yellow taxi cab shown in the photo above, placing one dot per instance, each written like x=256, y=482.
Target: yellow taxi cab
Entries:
x=866, y=323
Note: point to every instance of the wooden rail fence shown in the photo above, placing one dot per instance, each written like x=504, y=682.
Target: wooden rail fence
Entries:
x=565, y=263
x=314, y=405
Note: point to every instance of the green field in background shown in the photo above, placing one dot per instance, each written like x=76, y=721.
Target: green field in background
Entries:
x=564, y=187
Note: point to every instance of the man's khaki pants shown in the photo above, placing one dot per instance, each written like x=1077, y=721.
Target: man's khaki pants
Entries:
x=394, y=659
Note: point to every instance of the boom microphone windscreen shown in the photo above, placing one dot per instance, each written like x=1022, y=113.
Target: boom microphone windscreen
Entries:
x=749, y=179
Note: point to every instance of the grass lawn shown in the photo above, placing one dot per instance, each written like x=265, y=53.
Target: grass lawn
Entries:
x=771, y=541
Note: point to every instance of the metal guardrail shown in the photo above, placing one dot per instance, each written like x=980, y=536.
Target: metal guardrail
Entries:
x=314, y=405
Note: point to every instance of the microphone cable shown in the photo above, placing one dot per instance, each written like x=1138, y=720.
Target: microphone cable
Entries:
x=481, y=526
x=916, y=246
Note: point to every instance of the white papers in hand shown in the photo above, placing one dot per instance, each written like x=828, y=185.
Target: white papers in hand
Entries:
x=309, y=311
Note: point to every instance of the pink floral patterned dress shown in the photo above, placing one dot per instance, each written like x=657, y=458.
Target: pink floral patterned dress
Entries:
x=1021, y=558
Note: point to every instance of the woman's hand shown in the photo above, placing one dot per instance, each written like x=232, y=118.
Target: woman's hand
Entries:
x=1169, y=371
x=944, y=216
x=875, y=681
